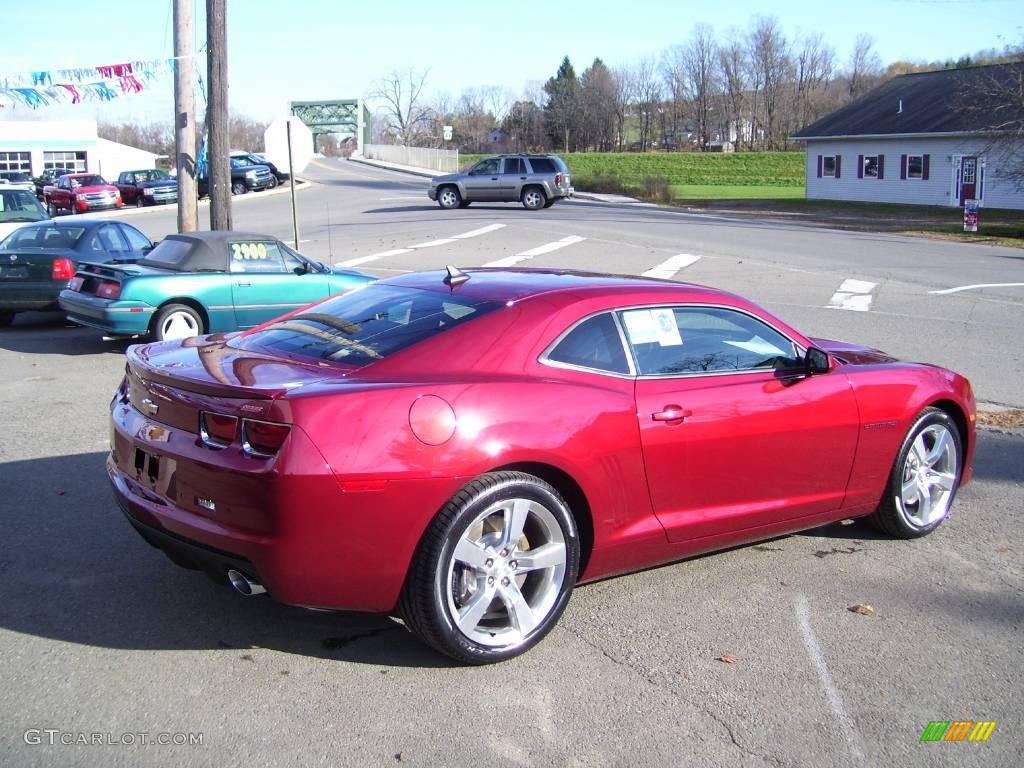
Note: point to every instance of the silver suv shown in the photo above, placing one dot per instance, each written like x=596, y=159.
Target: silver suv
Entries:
x=536, y=181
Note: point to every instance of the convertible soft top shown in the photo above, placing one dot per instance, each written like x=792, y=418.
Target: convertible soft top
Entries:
x=206, y=251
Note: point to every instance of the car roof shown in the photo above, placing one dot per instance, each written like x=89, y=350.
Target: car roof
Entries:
x=504, y=285
x=76, y=223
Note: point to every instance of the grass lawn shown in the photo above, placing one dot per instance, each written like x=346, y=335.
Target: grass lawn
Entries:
x=736, y=192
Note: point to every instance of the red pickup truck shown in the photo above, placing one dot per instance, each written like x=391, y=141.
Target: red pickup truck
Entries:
x=81, y=192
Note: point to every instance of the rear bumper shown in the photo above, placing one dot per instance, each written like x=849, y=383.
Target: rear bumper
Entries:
x=22, y=297
x=284, y=522
x=116, y=318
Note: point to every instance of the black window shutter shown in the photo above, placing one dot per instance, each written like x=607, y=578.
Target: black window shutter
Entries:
x=881, y=166
x=819, y=166
x=860, y=166
x=924, y=167
x=839, y=165
x=903, y=166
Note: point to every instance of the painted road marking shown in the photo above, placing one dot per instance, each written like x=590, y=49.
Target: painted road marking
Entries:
x=974, y=287
x=854, y=295
x=508, y=261
x=427, y=244
x=835, y=701
x=372, y=257
x=667, y=269
x=481, y=231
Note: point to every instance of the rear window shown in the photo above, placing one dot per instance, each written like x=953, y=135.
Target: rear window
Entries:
x=367, y=324
x=43, y=237
x=169, y=254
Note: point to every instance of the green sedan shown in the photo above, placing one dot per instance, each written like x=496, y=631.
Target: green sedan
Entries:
x=201, y=282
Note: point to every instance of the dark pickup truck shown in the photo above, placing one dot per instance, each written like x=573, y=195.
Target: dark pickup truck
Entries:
x=245, y=177
x=148, y=186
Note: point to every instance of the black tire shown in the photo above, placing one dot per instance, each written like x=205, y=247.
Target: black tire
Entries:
x=140, y=202
x=273, y=182
x=448, y=197
x=430, y=594
x=171, y=318
x=895, y=515
x=6, y=318
x=51, y=210
x=465, y=204
x=549, y=203
x=533, y=198
x=238, y=188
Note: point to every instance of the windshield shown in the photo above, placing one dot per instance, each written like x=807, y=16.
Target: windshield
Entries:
x=154, y=175
x=366, y=324
x=87, y=181
x=44, y=236
x=20, y=205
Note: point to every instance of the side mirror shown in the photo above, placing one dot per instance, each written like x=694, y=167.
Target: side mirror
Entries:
x=302, y=269
x=816, y=361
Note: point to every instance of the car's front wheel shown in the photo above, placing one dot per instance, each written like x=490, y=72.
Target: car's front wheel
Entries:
x=924, y=478
x=533, y=198
x=273, y=182
x=494, y=570
x=140, y=202
x=6, y=318
x=177, y=321
x=449, y=197
x=239, y=188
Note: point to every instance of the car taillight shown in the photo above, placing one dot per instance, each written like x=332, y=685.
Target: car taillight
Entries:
x=108, y=290
x=216, y=429
x=263, y=438
x=558, y=179
x=76, y=283
x=63, y=269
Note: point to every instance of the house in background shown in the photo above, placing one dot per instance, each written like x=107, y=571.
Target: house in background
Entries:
x=927, y=138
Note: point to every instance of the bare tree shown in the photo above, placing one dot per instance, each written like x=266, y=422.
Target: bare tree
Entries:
x=625, y=96
x=814, y=66
x=701, y=80
x=673, y=70
x=648, y=99
x=865, y=66
x=734, y=66
x=404, y=107
x=771, y=65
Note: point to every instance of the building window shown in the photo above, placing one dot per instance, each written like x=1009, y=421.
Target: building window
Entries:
x=828, y=166
x=16, y=161
x=914, y=167
x=871, y=166
x=72, y=161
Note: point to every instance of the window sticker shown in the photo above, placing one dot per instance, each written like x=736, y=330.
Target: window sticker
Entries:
x=640, y=326
x=758, y=346
x=666, y=327
x=248, y=251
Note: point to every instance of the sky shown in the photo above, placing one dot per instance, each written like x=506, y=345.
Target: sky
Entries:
x=283, y=50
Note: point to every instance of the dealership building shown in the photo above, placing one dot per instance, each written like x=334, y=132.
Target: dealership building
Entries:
x=33, y=146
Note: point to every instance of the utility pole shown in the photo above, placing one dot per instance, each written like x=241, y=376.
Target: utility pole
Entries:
x=217, y=114
x=185, y=117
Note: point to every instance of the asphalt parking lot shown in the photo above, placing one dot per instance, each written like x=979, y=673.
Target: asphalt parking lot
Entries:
x=100, y=634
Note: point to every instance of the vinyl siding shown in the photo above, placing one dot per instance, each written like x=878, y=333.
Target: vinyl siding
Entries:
x=938, y=189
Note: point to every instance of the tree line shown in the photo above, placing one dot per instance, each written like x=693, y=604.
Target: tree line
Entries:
x=747, y=89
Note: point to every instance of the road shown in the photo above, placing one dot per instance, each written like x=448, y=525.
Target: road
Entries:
x=100, y=634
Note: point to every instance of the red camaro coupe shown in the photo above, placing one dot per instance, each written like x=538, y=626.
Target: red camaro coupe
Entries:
x=462, y=449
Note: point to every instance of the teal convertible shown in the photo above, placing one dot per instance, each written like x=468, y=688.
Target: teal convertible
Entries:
x=201, y=282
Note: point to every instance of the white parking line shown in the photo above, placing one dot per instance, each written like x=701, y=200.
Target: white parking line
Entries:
x=432, y=243
x=973, y=287
x=372, y=257
x=508, y=261
x=835, y=701
x=854, y=295
x=667, y=269
x=481, y=231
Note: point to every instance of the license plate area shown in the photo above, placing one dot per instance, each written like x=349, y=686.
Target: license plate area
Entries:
x=19, y=272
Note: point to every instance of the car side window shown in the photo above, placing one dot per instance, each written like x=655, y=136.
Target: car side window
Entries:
x=490, y=165
x=542, y=165
x=515, y=165
x=136, y=240
x=669, y=341
x=255, y=257
x=595, y=343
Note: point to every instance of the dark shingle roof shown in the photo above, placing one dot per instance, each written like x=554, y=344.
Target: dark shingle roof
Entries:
x=946, y=101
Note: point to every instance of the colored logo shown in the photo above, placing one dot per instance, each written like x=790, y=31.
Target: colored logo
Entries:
x=958, y=730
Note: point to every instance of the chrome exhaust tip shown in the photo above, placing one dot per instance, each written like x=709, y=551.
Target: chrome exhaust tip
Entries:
x=244, y=585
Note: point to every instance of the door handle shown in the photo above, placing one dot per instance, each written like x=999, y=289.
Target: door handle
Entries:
x=671, y=413
x=244, y=285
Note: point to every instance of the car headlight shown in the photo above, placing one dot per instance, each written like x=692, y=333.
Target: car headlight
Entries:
x=250, y=174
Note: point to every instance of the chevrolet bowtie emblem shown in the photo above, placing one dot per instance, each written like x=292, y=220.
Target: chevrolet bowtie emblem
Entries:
x=13, y=257
x=150, y=406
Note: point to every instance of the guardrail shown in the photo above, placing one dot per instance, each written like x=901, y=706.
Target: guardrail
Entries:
x=444, y=160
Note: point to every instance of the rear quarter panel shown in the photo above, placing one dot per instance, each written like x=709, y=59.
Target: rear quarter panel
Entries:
x=212, y=292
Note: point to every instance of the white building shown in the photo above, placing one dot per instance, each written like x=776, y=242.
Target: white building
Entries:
x=924, y=139
x=33, y=146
